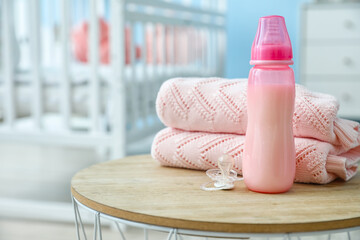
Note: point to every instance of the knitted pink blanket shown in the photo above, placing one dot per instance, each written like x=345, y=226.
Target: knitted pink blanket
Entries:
x=316, y=161
x=219, y=106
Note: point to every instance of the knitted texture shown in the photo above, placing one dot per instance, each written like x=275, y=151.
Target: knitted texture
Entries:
x=316, y=161
x=219, y=105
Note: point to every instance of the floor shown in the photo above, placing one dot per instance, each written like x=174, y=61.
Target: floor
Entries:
x=11, y=229
x=35, y=201
x=31, y=230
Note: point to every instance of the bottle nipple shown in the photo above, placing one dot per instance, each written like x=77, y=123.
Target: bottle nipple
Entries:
x=272, y=41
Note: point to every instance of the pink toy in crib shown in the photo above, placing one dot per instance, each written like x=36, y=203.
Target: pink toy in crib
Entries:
x=171, y=44
x=80, y=43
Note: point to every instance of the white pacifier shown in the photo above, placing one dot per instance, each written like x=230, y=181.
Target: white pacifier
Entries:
x=222, y=178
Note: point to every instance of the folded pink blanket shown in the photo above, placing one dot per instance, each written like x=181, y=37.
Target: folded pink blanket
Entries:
x=316, y=161
x=219, y=105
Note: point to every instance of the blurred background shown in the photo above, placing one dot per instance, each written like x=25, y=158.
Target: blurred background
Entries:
x=241, y=29
x=78, y=82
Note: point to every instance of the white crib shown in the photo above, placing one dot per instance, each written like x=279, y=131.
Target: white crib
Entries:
x=48, y=96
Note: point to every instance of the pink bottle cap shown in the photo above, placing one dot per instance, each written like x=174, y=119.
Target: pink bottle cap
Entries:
x=272, y=43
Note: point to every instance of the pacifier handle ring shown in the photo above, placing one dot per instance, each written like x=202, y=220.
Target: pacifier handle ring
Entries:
x=205, y=188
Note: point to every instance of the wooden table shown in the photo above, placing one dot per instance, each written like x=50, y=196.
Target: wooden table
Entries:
x=138, y=189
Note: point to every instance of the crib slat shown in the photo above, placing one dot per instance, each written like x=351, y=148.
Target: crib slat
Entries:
x=214, y=53
x=194, y=49
x=185, y=33
x=207, y=42
x=217, y=52
x=221, y=51
x=177, y=48
x=163, y=47
x=209, y=56
x=160, y=55
x=173, y=47
x=65, y=57
x=117, y=83
x=198, y=50
x=34, y=7
x=145, y=80
x=190, y=50
x=8, y=61
x=204, y=43
x=134, y=82
x=154, y=66
x=94, y=103
x=161, y=52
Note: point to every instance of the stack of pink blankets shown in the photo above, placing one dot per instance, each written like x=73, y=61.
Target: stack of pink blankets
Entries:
x=206, y=117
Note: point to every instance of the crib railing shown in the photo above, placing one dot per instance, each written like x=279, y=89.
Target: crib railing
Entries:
x=173, y=40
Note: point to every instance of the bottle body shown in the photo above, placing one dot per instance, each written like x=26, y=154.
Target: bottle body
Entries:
x=269, y=154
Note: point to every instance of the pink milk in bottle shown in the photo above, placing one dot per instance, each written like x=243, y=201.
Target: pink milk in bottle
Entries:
x=269, y=155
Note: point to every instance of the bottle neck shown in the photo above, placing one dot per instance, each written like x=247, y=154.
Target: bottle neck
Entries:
x=271, y=62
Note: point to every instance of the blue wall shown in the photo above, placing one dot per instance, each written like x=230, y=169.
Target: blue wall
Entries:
x=242, y=21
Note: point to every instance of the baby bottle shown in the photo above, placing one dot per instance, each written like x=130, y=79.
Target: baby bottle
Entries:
x=269, y=154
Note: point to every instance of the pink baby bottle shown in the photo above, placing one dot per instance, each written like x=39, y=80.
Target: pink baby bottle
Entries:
x=269, y=154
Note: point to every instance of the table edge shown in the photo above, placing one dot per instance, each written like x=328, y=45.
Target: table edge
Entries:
x=215, y=226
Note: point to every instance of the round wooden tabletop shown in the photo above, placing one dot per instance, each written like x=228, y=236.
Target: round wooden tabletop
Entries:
x=139, y=189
